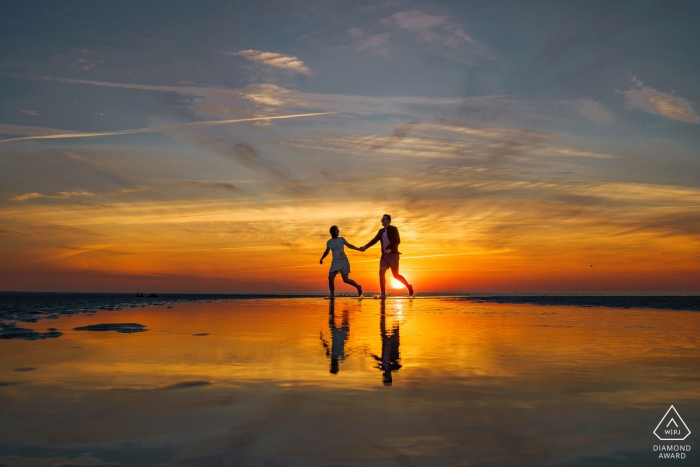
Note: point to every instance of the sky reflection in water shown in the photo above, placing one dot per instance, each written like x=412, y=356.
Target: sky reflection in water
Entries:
x=303, y=382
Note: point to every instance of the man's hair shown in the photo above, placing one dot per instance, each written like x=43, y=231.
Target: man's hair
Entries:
x=334, y=231
x=387, y=216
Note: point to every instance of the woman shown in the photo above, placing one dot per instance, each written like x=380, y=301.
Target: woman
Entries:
x=340, y=263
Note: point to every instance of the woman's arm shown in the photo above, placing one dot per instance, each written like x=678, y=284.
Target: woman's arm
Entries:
x=352, y=247
x=325, y=253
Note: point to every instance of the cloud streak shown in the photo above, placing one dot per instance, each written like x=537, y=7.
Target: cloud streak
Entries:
x=660, y=103
x=431, y=29
x=178, y=126
x=446, y=141
x=274, y=59
x=59, y=195
x=222, y=186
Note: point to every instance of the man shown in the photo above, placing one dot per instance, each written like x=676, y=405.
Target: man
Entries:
x=389, y=237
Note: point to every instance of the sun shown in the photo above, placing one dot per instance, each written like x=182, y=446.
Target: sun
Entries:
x=395, y=284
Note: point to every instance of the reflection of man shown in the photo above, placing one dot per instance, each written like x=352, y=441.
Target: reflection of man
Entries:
x=336, y=350
x=389, y=361
x=389, y=236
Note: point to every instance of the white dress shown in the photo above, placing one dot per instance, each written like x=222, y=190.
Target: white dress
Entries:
x=340, y=261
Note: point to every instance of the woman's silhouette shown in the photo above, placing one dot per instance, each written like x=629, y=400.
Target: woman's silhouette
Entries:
x=339, y=334
x=340, y=263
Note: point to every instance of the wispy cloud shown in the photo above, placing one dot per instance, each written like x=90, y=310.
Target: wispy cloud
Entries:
x=33, y=113
x=447, y=141
x=431, y=29
x=592, y=110
x=179, y=126
x=660, y=103
x=223, y=186
x=59, y=195
x=274, y=59
x=365, y=41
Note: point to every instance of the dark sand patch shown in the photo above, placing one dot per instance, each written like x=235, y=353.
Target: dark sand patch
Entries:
x=10, y=383
x=201, y=334
x=124, y=328
x=11, y=331
x=25, y=368
x=187, y=384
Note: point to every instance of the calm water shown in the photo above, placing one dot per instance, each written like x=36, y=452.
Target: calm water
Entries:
x=298, y=381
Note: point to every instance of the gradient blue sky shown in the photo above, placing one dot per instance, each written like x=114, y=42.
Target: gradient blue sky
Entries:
x=538, y=137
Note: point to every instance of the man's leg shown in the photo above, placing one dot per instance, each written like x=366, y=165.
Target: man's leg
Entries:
x=382, y=280
x=331, y=282
x=400, y=278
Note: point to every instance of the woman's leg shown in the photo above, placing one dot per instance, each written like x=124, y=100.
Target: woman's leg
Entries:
x=331, y=282
x=347, y=280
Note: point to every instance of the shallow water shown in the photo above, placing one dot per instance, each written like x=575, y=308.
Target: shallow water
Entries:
x=302, y=382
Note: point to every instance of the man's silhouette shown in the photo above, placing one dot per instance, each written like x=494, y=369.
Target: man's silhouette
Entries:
x=390, y=359
x=388, y=235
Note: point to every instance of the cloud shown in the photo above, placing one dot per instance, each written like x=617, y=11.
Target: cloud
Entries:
x=224, y=101
x=375, y=42
x=33, y=113
x=274, y=59
x=592, y=110
x=660, y=103
x=470, y=144
x=436, y=30
x=24, y=130
x=224, y=186
x=59, y=195
x=177, y=126
x=248, y=157
x=400, y=132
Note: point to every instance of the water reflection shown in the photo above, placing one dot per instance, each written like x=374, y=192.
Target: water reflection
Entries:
x=389, y=360
x=339, y=335
x=485, y=384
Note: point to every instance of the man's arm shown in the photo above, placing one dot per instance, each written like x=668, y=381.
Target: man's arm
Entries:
x=373, y=241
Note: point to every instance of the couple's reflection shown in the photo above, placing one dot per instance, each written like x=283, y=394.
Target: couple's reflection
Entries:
x=389, y=360
x=339, y=334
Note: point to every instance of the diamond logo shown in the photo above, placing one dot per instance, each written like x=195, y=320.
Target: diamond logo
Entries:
x=672, y=427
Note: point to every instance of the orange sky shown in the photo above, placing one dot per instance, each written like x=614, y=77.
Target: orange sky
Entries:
x=253, y=246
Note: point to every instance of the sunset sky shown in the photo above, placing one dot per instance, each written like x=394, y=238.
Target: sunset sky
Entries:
x=519, y=146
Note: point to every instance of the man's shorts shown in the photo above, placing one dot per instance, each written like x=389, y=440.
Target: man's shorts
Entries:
x=390, y=260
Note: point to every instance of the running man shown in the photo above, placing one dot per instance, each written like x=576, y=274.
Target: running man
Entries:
x=389, y=237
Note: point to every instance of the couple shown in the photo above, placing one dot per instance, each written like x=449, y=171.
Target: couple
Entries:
x=389, y=237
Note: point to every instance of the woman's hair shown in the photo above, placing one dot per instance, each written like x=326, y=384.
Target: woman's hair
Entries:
x=334, y=231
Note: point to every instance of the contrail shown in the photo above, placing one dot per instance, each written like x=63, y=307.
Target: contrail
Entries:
x=160, y=128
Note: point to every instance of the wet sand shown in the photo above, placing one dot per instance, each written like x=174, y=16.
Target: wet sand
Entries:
x=293, y=382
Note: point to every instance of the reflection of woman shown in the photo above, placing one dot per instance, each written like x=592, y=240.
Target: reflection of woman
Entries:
x=340, y=263
x=336, y=350
x=389, y=361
